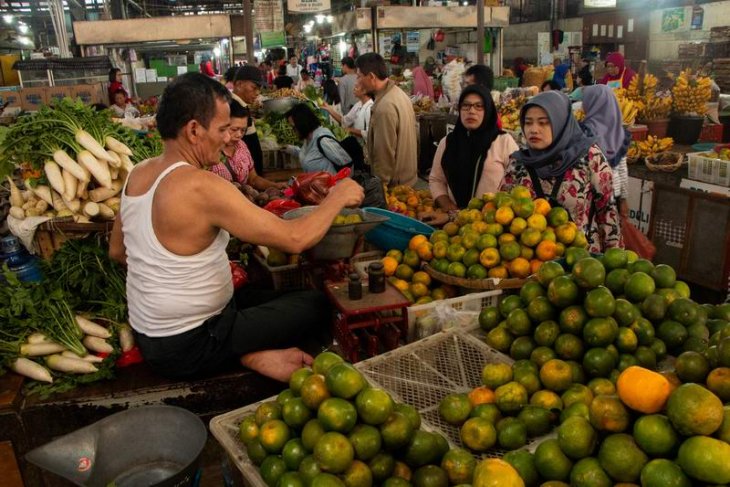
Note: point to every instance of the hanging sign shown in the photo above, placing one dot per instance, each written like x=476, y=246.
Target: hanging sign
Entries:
x=673, y=19
x=307, y=6
x=272, y=39
x=413, y=41
x=268, y=16
x=599, y=3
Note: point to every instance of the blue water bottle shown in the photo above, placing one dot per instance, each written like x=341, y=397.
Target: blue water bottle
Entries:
x=19, y=260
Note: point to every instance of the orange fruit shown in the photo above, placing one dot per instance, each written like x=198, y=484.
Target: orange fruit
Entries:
x=504, y=215
x=416, y=241
x=607, y=413
x=531, y=237
x=517, y=226
x=412, y=201
x=421, y=277
x=498, y=272
x=546, y=250
x=537, y=221
x=520, y=268
x=535, y=265
x=273, y=435
x=396, y=254
x=520, y=192
x=526, y=252
x=643, y=390
x=509, y=250
x=489, y=257
x=542, y=207
x=557, y=216
x=481, y=395
x=506, y=237
x=389, y=265
x=556, y=375
x=418, y=290
x=314, y=391
x=425, y=251
x=451, y=229
x=566, y=233
x=404, y=272
x=334, y=452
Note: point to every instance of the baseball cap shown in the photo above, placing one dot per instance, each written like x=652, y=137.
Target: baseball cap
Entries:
x=248, y=73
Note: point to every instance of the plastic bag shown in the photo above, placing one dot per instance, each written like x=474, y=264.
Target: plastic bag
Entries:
x=280, y=206
x=636, y=241
x=312, y=188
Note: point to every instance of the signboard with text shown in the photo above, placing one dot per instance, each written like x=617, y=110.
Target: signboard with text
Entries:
x=307, y=6
x=599, y=3
x=272, y=39
x=269, y=16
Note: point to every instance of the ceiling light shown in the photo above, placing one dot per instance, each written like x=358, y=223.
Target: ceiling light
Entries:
x=320, y=18
x=217, y=51
x=25, y=41
x=307, y=28
x=23, y=28
x=8, y=19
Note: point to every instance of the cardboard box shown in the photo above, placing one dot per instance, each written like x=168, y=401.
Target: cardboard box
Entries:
x=90, y=94
x=55, y=94
x=31, y=99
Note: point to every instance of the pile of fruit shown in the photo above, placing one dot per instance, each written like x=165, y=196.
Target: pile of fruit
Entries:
x=691, y=93
x=402, y=270
x=285, y=93
x=408, y=201
x=331, y=429
x=423, y=104
x=652, y=104
x=499, y=236
x=719, y=153
x=649, y=147
x=277, y=258
x=509, y=112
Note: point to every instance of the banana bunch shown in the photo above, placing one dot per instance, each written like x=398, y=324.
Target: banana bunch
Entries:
x=691, y=93
x=634, y=151
x=652, y=145
x=646, y=90
x=656, y=108
x=629, y=110
x=579, y=114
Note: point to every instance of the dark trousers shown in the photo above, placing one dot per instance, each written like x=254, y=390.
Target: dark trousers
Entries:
x=253, y=320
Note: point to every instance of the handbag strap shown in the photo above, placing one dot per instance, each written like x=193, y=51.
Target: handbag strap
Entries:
x=537, y=186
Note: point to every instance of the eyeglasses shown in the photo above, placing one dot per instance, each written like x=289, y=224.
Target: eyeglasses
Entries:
x=465, y=107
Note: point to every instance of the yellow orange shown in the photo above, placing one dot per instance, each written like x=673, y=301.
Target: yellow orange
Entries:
x=489, y=257
x=481, y=395
x=425, y=251
x=526, y=252
x=566, y=233
x=412, y=201
x=549, y=234
x=517, y=226
x=520, y=192
x=416, y=241
x=401, y=285
x=422, y=278
x=559, y=249
x=498, y=272
x=439, y=249
x=530, y=237
x=542, y=206
x=451, y=229
x=504, y=215
x=419, y=290
x=479, y=227
x=537, y=221
x=389, y=265
x=519, y=267
x=535, y=265
x=580, y=240
x=546, y=250
x=506, y=237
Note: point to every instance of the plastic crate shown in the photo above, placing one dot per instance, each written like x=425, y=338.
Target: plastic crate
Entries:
x=502, y=83
x=423, y=373
x=473, y=302
x=708, y=169
x=285, y=277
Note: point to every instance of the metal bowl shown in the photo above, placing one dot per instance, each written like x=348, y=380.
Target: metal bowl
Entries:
x=279, y=106
x=146, y=446
x=340, y=240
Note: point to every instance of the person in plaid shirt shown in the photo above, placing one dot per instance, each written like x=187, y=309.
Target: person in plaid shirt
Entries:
x=237, y=163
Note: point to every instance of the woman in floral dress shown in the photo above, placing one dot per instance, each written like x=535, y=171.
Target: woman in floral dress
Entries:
x=564, y=165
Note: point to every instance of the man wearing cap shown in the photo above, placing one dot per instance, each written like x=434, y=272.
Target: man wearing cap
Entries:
x=246, y=87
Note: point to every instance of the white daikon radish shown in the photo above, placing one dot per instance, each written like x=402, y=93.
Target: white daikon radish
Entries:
x=58, y=203
x=99, y=171
x=105, y=213
x=74, y=205
x=17, y=212
x=40, y=349
x=117, y=162
x=116, y=146
x=37, y=337
x=100, y=194
x=41, y=191
x=91, y=328
x=42, y=206
x=114, y=203
x=89, y=143
x=54, y=176
x=16, y=197
x=29, y=204
x=64, y=213
x=126, y=337
x=91, y=209
x=127, y=163
x=96, y=344
x=65, y=161
x=114, y=171
x=81, y=219
x=89, y=357
x=33, y=212
x=71, y=365
x=29, y=368
x=69, y=183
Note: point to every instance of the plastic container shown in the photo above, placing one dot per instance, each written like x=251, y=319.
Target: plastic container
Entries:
x=340, y=240
x=708, y=169
x=285, y=277
x=19, y=260
x=397, y=231
x=473, y=302
x=638, y=132
x=685, y=129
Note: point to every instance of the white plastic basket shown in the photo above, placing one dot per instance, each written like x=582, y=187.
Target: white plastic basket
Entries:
x=473, y=302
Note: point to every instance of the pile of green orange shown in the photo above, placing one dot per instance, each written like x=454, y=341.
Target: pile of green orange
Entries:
x=500, y=235
x=403, y=271
x=604, y=315
x=330, y=429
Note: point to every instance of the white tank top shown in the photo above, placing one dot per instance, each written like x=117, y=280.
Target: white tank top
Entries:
x=169, y=294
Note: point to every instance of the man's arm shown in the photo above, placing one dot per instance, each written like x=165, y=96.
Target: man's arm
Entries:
x=225, y=207
x=117, y=250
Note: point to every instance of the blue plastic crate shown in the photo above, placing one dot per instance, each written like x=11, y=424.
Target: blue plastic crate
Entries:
x=397, y=231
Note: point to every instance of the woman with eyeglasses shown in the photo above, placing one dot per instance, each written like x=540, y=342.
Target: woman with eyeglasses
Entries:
x=471, y=160
x=568, y=167
x=236, y=163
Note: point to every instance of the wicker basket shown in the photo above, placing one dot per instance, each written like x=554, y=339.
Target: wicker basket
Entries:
x=665, y=161
x=478, y=284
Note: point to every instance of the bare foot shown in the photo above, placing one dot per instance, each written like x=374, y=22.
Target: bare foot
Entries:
x=277, y=364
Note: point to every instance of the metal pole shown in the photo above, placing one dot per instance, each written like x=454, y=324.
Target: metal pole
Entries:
x=480, y=31
x=248, y=30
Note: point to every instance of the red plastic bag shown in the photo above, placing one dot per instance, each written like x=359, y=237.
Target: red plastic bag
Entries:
x=636, y=241
x=311, y=188
x=131, y=357
x=280, y=206
x=239, y=275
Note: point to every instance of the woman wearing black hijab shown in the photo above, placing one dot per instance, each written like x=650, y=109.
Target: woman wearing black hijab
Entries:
x=471, y=160
x=566, y=166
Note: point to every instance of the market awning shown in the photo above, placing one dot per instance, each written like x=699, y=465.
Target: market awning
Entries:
x=60, y=64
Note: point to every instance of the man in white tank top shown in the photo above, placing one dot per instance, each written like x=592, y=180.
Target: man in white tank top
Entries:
x=172, y=231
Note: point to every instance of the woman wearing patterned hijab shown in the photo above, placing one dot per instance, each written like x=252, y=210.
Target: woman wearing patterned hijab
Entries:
x=566, y=166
